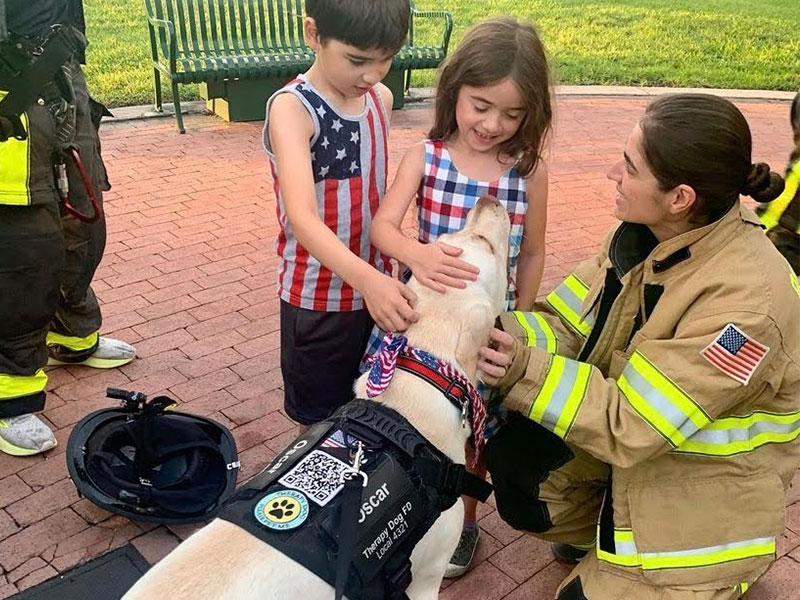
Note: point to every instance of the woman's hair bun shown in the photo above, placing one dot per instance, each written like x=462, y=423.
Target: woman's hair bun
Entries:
x=762, y=184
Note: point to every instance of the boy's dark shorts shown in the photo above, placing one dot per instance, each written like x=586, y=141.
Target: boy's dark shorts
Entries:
x=320, y=354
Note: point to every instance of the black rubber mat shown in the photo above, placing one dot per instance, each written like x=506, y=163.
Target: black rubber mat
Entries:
x=107, y=577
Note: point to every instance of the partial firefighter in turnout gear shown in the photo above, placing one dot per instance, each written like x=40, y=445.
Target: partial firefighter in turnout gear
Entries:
x=52, y=228
x=656, y=392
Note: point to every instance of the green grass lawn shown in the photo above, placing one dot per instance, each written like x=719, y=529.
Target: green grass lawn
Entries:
x=747, y=44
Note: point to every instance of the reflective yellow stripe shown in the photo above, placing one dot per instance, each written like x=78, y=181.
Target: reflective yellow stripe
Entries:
x=713, y=555
x=557, y=403
x=736, y=435
x=626, y=554
x=774, y=210
x=795, y=282
x=17, y=386
x=660, y=402
x=567, y=300
x=743, y=587
x=538, y=331
x=14, y=168
x=72, y=343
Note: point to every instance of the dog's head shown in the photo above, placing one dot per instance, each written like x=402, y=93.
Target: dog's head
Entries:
x=473, y=309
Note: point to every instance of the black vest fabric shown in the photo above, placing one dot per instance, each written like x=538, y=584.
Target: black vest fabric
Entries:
x=294, y=506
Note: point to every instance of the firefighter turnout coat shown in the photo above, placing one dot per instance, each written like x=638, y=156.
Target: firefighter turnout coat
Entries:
x=677, y=364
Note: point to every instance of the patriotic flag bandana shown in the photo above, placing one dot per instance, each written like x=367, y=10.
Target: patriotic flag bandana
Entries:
x=384, y=365
x=735, y=353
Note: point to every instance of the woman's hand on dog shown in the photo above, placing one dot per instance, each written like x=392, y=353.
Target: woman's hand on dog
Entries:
x=494, y=359
x=436, y=266
x=390, y=303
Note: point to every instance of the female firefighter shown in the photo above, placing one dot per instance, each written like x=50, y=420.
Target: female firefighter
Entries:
x=656, y=394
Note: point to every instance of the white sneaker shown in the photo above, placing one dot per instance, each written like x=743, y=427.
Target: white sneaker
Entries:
x=25, y=435
x=109, y=354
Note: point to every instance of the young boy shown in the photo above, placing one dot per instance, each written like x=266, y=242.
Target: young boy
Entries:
x=326, y=136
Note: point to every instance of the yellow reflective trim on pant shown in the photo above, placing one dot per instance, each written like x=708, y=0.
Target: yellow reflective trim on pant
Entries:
x=538, y=331
x=704, y=557
x=736, y=435
x=17, y=386
x=775, y=209
x=15, y=159
x=743, y=587
x=794, y=281
x=660, y=402
x=567, y=300
x=72, y=343
x=557, y=403
x=627, y=555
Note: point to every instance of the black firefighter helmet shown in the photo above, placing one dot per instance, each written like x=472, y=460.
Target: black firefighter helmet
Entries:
x=148, y=463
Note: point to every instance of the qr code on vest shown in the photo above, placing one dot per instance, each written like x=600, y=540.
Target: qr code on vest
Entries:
x=318, y=476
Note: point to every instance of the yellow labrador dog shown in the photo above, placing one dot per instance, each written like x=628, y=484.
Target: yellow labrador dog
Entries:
x=223, y=562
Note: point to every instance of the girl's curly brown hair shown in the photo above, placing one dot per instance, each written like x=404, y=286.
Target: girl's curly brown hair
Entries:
x=491, y=52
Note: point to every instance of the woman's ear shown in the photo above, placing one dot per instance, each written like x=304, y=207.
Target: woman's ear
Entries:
x=311, y=33
x=683, y=198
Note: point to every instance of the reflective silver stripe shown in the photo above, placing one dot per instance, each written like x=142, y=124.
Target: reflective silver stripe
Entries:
x=734, y=435
x=570, y=298
x=656, y=398
x=661, y=404
x=537, y=330
x=558, y=399
x=709, y=556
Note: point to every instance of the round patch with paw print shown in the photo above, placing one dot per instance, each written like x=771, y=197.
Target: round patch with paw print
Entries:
x=284, y=509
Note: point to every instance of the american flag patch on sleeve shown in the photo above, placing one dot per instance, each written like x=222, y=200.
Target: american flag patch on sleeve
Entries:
x=735, y=353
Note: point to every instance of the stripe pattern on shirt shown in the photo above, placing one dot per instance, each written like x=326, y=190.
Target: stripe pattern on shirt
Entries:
x=349, y=160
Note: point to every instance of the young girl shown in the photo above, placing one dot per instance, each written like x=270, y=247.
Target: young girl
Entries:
x=492, y=116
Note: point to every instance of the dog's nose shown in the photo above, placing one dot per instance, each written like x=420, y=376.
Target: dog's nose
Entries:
x=487, y=201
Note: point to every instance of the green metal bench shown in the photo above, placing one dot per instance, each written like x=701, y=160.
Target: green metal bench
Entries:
x=241, y=51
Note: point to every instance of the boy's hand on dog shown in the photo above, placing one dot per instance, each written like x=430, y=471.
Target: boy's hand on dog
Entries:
x=390, y=303
x=494, y=359
x=436, y=266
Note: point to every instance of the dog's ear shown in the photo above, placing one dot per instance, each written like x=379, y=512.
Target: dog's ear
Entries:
x=474, y=333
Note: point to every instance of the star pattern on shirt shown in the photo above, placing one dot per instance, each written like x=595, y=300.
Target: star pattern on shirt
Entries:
x=337, y=152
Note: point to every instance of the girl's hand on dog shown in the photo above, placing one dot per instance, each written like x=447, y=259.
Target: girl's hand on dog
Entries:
x=436, y=266
x=494, y=359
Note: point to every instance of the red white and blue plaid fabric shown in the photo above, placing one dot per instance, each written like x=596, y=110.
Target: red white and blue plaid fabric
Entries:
x=445, y=196
x=384, y=366
x=349, y=163
x=735, y=353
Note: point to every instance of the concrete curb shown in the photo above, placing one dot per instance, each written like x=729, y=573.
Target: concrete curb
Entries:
x=419, y=97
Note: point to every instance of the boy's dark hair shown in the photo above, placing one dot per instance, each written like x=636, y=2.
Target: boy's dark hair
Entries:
x=704, y=141
x=490, y=52
x=364, y=24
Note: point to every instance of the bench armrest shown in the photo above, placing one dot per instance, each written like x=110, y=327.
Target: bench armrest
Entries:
x=169, y=31
x=433, y=14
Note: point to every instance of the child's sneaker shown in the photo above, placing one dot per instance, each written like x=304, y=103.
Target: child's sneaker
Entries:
x=109, y=354
x=465, y=551
x=25, y=435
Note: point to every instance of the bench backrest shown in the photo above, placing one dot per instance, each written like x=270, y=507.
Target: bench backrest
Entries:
x=231, y=27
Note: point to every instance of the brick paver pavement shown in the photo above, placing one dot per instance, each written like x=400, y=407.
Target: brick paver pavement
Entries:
x=188, y=277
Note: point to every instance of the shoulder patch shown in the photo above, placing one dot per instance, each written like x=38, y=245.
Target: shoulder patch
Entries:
x=735, y=353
